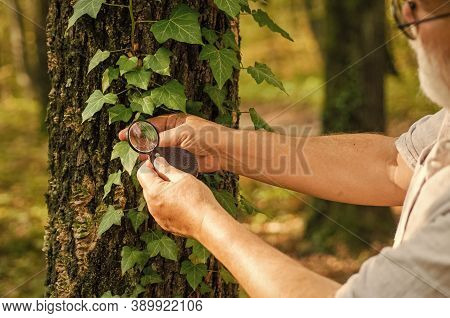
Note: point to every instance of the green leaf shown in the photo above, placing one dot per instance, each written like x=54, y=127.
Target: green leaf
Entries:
x=170, y=95
x=137, y=291
x=119, y=113
x=227, y=201
x=82, y=7
x=164, y=246
x=229, y=40
x=142, y=103
x=150, y=277
x=127, y=155
x=108, y=294
x=199, y=253
x=258, y=121
x=263, y=19
x=194, y=108
x=109, y=75
x=127, y=64
x=194, y=273
x=226, y=276
x=210, y=35
x=225, y=119
x=96, y=102
x=160, y=62
x=247, y=207
x=152, y=235
x=261, y=72
x=111, y=217
x=139, y=78
x=132, y=256
x=205, y=289
x=221, y=62
x=99, y=57
x=217, y=95
x=137, y=218
x=182, y=26
x=231, y=7
x=114, y=178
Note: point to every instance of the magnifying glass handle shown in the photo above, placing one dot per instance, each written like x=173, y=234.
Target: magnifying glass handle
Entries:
x=179, y=158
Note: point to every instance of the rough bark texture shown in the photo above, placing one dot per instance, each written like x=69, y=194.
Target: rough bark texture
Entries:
x=79, y=264
x=355, y=62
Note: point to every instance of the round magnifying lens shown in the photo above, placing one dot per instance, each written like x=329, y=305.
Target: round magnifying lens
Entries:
x=143, y=137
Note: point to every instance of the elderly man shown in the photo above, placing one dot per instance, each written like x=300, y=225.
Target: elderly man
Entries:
x=412, y=170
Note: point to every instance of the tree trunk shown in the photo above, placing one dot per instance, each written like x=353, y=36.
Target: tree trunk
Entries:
x=356, y=64
x=80, y=264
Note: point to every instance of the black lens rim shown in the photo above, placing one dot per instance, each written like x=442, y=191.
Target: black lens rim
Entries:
x=131, y=144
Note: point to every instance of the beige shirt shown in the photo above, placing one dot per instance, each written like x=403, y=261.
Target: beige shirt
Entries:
x=418, y=265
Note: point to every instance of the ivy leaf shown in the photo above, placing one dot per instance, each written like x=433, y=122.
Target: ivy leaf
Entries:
x=127, y=155
x=137, y=291
x=99, y=57
x=205, y=289
x=261, y=72
x=109, y=75
x=150, y=277
x=127, y=64
x=210, y=35
x=113, y=178
x=231, y=7
x=247, y=207
x=152, y=235
x=217, y=95
x=119, y=113
x=142, y=103
x=258, y=121
x=229, y=40
x=111, y=217
x=221, y=62
x=193, y=108
x=199, y=253
x=263, y=19
x=170, y=95
x=194, y=273
x=82, y=7
x=132, y=256
x=182, y=26
x=225, y=119
x=160, y=62
x=227, y=201
x=137, y=218
x=96, y=102
x=163, y=245
x=226, y=276
x=138, y=78
x=108, y=294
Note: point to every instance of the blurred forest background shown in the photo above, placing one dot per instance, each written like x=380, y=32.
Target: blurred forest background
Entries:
x=328, y=38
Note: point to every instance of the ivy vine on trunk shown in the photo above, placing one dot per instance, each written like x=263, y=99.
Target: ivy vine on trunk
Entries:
x=113, y=62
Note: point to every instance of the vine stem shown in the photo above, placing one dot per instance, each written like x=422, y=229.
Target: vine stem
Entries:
x=133, y=22
x=116, y=5
x=146, y=21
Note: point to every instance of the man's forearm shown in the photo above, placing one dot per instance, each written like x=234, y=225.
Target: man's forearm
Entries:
x=354, y=169
x=261, y=270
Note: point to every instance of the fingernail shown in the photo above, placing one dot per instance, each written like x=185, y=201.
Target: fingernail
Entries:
x=160, y=163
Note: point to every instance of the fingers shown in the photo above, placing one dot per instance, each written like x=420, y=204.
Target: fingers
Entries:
x=161, y=123
x=170, y=138
x=171, y=173
x=148, y=178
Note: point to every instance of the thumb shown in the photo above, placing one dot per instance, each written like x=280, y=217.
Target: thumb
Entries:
x=168, y=171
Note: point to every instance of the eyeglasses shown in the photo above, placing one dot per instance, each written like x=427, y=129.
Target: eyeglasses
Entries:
x=410, y=28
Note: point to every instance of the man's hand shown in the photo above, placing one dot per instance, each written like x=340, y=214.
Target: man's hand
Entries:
x=177, y=200
x=202, y=138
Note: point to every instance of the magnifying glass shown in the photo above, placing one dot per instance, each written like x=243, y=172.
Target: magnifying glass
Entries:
x=144, y=139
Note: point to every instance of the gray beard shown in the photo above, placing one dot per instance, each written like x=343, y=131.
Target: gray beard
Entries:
x=433, y=75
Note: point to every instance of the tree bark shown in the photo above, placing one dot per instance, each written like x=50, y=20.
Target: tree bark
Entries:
x=355, y=66
x=80, y=264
